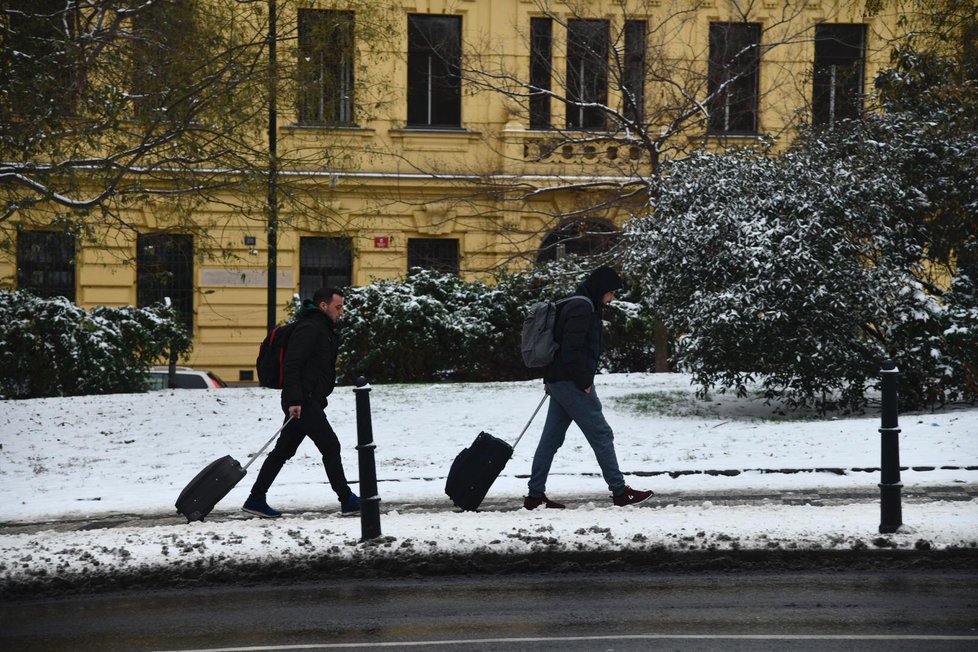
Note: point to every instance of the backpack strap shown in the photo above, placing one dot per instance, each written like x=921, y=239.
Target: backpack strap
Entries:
x=560, y=304
x=576, y=296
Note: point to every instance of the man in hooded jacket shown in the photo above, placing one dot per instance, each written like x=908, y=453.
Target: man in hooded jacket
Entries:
x=569, y=380
x=308, y=378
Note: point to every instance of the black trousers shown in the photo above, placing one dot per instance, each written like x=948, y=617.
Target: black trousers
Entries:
x=314, y=425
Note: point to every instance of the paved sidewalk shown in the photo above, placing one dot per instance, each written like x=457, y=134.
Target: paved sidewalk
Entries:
x=818, y=497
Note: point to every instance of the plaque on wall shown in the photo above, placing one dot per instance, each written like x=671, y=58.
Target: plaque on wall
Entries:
x=244, y=278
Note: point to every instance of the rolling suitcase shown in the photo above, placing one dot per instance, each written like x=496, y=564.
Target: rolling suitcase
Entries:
x=212, y=484
x=477, y=467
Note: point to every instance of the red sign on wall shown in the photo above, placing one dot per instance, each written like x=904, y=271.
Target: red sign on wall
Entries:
x=382, y=242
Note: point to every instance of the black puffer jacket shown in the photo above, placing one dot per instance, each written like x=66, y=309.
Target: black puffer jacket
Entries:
x=309, y=366
x=578, y=331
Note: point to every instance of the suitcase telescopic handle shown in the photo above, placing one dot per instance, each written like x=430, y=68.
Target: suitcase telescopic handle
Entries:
x=527, y=426
x=269, y=442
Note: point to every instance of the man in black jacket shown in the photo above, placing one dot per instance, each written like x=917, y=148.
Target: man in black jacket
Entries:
x=309, y=376
x=570, y=383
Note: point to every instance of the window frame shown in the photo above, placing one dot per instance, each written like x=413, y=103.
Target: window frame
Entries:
x=161, y=33
x=439, y=261
x=633, y=69
x=434, y=63
x=327, y=36
x=541, y=72
x=317, y=265
x=37, y=33
x=587, y=74
x=57, y=255
x=733, y=79
x=170, y=274
x=828, y=104
x=586, y=236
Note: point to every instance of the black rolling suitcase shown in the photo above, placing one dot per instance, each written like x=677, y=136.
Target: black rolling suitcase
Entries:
x=477, y=467
x=212, y=484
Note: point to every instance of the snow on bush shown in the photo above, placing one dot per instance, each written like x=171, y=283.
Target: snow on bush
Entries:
x=51, y=347
x=807, y=269
x=433, y=326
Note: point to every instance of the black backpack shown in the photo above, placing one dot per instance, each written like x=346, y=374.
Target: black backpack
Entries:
x=271, y=355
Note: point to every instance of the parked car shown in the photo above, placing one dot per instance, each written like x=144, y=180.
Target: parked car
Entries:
x=187, y=378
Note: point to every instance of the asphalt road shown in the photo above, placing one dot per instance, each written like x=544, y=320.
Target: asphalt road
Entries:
x=832, y=610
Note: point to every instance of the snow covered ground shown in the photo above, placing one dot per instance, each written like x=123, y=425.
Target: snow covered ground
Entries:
x=68, y=459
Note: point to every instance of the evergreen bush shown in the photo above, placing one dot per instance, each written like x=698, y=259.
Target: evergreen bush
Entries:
x=51, y=347
x=431, y=326
x=804, y=271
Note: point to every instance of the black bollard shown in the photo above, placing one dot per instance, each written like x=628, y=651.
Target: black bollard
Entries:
x=369, y=498
x=891, y=517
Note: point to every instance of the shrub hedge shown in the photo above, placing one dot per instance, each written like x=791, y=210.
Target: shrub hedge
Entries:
x=51, y=347
x=431, y=327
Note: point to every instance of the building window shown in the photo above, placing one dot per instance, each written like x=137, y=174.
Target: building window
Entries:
x=583, y=237
x=837, y=85
x=440, y=255
x=166, y=56
x=434, y=66
x=326, y=67
x=324, y=263
x=40, y=57
x=541, y=44
x=733, y=77
x=633, y=74
x=165, y=268
x=587, y=73
x=46, y=263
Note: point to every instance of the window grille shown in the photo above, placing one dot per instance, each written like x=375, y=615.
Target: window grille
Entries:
x=324, y=262
x=584, y=237
x=46, y=263
x=436, y=254
x=165, y=268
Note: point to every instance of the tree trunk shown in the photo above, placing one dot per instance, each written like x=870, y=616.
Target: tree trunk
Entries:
x=661, y=338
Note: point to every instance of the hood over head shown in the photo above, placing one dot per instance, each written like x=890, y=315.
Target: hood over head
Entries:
x=601, y=280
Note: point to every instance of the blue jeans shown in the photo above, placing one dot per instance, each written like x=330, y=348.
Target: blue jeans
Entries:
x=568, y=403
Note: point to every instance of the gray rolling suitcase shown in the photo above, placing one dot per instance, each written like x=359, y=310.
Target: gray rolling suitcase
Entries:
x=213, y=483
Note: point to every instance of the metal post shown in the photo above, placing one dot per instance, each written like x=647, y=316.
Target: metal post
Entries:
x=369, y=498
x=891, y=517
x=272, y=281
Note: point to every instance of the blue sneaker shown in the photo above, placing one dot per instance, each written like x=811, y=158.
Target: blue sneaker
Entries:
x=259, y=507
x=350, y=506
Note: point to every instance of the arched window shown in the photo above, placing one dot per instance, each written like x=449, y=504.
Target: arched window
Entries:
x=583, y=237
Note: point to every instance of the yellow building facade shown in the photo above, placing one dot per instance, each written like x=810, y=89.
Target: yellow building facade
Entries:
x=469, y=135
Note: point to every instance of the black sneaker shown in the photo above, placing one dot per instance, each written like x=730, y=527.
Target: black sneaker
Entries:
x=532, y=503
x=259, y=507
x=631, y=497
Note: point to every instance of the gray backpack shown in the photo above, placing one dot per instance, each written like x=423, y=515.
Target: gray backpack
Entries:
x=539, y=345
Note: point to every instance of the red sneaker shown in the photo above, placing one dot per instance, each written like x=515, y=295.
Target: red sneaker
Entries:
x=533, y=503
x=631, y=497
